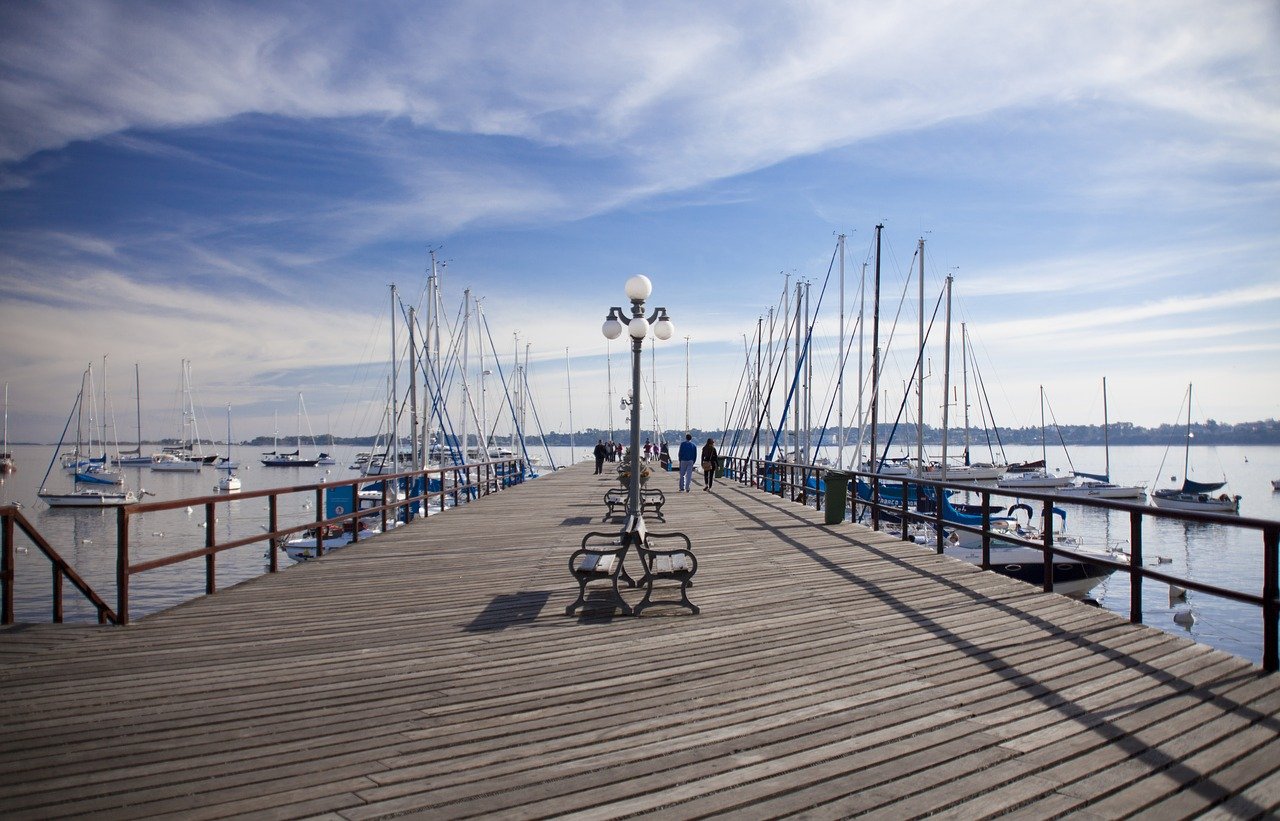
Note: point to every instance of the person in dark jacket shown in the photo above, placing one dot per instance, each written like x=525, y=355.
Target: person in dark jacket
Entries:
x=600, y=453
x=710, y=462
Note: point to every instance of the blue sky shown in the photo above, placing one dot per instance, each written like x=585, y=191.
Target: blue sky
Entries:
x=238, y=183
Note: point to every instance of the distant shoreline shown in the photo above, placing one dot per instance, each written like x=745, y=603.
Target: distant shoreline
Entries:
x=1119, y=434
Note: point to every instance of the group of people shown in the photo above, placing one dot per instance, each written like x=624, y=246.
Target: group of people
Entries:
x=687, y=455
x=607, y=452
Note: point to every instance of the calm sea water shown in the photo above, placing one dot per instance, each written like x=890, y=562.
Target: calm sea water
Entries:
x=1225, y=556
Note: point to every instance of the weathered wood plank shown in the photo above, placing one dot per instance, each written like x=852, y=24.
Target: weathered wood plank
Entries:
x=832, y=671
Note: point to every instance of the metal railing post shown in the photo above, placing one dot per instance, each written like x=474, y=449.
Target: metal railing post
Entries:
x=210, y=541
x=1271, y=599
x=320, y=517
x=985, y=496
x=903, y=511
x=273, y=524
x=939, y=531
x=6, y=571
x=57, y=594
x=1048, y=546
x=1135, y=567
x=122, y=565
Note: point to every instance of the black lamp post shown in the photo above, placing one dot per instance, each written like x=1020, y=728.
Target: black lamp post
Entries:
x=638, y=289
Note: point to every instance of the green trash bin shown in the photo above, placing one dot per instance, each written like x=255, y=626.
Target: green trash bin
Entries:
x=837, y=496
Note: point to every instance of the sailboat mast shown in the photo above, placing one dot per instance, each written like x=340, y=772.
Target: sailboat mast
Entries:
x=569, y=387
x=137, y=383
x=483, y=421
x=1186, y=458
x=964, y=370
x=920, y=364
x=862, y=335
x=1106, y=432
x=395, y=417
x=1044, y=454
x=808, y=378
x=686, y=384
x=466, y=363
x=946, y=379
x=413, y=391
x=796, y=413
x=840, y=372
x=875, y=353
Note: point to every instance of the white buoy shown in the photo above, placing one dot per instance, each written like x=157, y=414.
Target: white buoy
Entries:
x=188, y=510
x=1177, y=593
x=1184, y=617
x=1163, y=560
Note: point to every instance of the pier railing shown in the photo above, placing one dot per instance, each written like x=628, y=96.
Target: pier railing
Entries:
x=806, y=484
x=455, y=484
x=11, y=518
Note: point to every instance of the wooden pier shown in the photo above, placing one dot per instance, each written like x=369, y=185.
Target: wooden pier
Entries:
x=832, y=672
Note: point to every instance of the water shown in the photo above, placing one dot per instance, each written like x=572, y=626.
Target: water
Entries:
x=1224, y=556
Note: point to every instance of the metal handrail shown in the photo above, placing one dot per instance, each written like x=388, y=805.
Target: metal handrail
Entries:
x=780, y=478
x=470, y=482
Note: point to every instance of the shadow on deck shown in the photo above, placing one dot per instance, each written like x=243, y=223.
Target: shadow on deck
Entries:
x=832, y=671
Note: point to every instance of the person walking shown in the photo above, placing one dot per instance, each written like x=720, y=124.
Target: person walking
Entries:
x=601, y=452
x=710, y=462
x=688, y=454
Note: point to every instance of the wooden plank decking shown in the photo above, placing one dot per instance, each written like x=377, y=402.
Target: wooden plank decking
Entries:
x=832, y=672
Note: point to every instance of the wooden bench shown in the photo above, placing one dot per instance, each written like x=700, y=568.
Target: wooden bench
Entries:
x=651, y=501
x=600, y=558
x=675, y=564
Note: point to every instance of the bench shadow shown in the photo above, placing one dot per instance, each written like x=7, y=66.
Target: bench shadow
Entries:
x=600, y=607
x=508, y=610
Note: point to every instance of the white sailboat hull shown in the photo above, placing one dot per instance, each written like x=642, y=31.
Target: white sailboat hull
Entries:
x=1034, y=478
x=89, y=498
x=1196, y=502
x=1103, y=490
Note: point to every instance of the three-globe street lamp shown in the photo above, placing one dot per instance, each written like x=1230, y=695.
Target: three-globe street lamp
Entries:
x=637, y=289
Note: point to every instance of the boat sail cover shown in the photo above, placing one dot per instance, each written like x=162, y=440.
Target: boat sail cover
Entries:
x=1189, y=486
x=1101, y=477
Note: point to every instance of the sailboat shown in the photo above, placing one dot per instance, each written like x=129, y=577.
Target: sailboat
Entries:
x=135, y=458
x=1099, y=485
x=81, y=495
x=275, y=459
x=231, y=482
x=7, y=464
x=1195, y=496
x=96, y=470
x=1039, y=476
x=181, y=459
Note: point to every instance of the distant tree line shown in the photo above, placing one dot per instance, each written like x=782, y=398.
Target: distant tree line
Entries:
x=1211, y=432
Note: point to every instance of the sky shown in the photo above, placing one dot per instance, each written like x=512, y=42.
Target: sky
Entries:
x=238, y=185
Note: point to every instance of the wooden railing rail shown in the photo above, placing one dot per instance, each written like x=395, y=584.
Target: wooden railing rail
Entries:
x=802, y=483
x=10, y=518
x=460, y=484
